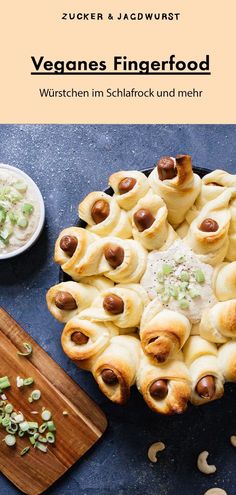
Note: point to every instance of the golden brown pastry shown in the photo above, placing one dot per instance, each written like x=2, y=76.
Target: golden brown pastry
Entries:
x=129, y=186
x=167, y=388
x=213, y=184
x=115, y=369
x=208, y=233
x=224, y=281
x=227, y=360
x=149, y=223
x=173, y=179
x=231, y=253
x=201, y=358
x=218, y=324
x=84, y=339
x=163, y=332
x=103, y=215
x=70, y=248
x=123, y=305
x=121, y=260
x=67, y=299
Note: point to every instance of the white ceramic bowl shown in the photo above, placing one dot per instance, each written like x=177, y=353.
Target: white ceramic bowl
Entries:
x=39, y=228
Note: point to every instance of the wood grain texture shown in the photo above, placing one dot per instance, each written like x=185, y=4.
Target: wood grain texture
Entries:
x=76, y=433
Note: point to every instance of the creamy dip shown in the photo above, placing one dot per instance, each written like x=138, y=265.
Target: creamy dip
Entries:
x=179, y=280
x=19, y=210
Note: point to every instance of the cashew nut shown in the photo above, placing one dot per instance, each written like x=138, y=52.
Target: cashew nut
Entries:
x=233, y=440
x=153, y=449
x=215, y=491
x=202, y=463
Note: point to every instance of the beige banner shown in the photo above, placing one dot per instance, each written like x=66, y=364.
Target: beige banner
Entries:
x=196, y=29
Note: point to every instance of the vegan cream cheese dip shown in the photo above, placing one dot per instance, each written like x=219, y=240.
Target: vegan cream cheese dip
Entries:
x=179, y=280
x=19, y=210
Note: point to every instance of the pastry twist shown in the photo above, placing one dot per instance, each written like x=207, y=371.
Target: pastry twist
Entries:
x=224, y=281
x=163, y=332
x=218, y=324
x=104, y=216
x=213, y=184
x=227, y=360
x=129, y=186
x=82, y=340
x=121, y=260
x=166, y=389
x=231, y=253
x=149, y=223
x=70, y=248
x=208, y=233
x=174, y=180
x=98, y=281
x=207, y=380
x=123, y=304
x=67, y=299
x=116, y=367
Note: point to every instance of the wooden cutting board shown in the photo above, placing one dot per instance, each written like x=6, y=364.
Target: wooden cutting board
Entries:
x=76, y=433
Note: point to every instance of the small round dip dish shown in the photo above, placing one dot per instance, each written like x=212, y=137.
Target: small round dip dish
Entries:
x=22, y=211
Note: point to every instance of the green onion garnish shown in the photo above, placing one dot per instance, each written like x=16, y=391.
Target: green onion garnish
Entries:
x=51, y=425
x=41, y=446
x=4, y=383
x=28, y=381
x=167, y=269
x=184, y=276
x=8, y=408
x=183, y=304
x=43, y=427
x=46, y=415
x=36, y=394
x=22, y=222
x=24, y=451
x=28, y=351
x=199, y=276
x=27, y=209
x=10, y=440
x=50, y=437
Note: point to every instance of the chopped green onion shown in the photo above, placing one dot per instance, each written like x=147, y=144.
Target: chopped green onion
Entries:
x=174, y=291
x=179, y=258
x=19, y=382
x=199, y=276
x=183, y=304
x=17, y=418
x=51, y=425
x=36, y=394
x=4, y=383
x=12, y=428
x=32, y=440
x=27, y=209
x=42, y=439
x=46, y=415
x=5, y=233
x=166, y=269
x=12, y=217
x=50, y=437
x=194, y=292
x=21, y=433
x=160, y=277
x=6, y=422
x=22, y=222
x=159, y=288
x=28, y=351
x=165, y=296
x=30, y=399
x=10, y=440
x=24, y=451
x=20, y=186
x=43, y=427
x=184, y=276
x=2, y=215
x=33, y=424
x=65, y=413
x=28, y=381
x=8, y=408
x=24, y=426
x=41, y=447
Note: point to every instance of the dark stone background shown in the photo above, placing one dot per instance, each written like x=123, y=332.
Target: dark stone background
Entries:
x=67, y=162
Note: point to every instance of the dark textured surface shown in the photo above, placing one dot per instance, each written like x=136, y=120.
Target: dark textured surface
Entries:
x=67, y=162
